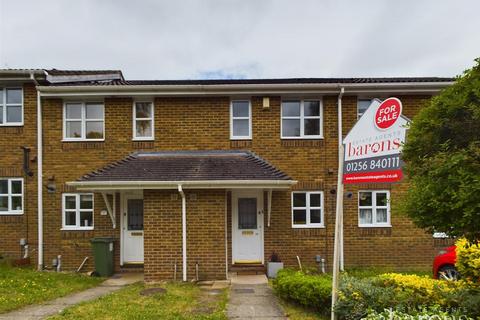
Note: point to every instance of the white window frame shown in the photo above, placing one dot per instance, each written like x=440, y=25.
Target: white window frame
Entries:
x=77, y=211
x=83, y=120
x=151, y=119
x=9, y=194
x=307, y=208
x=374, y=208
x=249, y=118
x=302, y=118
x=5, y=105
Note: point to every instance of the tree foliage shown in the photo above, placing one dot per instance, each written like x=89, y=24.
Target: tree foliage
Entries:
x=442, y=155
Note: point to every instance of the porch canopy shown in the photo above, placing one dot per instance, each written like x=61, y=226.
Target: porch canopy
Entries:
x=218, y=169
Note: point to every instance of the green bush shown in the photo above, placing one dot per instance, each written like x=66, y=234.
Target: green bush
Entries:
x=468, y=259
x=424, y=313
x=357, y=296
x=312, y=291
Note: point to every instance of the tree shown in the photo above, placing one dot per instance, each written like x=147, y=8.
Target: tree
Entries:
x=442, y=156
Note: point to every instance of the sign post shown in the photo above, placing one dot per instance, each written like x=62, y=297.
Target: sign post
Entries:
x=370, y=153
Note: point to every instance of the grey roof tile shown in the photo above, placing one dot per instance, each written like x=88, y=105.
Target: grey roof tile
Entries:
x=188, y=166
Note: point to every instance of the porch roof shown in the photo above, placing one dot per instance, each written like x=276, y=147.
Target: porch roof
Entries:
x=191, y=169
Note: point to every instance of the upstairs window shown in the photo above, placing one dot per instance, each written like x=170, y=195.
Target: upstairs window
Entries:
x=11, y=196
x=83, y=121
x=362, y=106
x=302, y=119
x=143, y=121
x=374, y=209
x=77, y=211
x=307, y=209
x=240, y=120
x=11, y=107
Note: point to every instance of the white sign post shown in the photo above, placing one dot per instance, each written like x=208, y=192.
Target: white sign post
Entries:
x=370, y=153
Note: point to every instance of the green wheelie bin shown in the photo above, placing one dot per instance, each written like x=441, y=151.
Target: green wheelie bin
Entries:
x=103, y=255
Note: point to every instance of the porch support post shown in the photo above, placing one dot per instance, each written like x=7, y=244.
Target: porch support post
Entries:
x=109, y=209
x=184, y=232
x=269, y=206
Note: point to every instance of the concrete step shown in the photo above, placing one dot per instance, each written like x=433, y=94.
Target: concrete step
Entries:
x=247, y=269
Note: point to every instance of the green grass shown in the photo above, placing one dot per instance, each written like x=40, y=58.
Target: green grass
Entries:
x=296, y=312
x=181, y=301
x=375, y=271
x=23, y=286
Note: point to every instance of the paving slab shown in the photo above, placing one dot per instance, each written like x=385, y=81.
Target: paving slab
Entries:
x=252, y=298
x=52, y=307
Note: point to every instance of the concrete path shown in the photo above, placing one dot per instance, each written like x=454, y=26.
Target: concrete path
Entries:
x=50, y=308
x=252, y=298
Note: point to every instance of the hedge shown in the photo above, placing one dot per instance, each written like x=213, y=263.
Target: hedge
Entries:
x=362, y=297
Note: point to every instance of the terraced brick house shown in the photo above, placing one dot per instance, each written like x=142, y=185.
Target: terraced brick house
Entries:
x=194, y=178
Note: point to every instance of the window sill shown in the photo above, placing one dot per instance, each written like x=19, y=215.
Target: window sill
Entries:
x=302, y=138
x=143, y=139
x=308, y=227
x=77, y=229
x=240, y=138
x=83, y=140
x=9, y=213
x=375, y=226
x=11, y=125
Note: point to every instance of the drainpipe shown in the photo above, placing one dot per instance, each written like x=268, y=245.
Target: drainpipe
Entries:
x=338, y=244
x=39, y=175
x=184, y=232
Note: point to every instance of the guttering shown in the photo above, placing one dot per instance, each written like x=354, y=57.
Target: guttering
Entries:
x=184, y=233
x=229, y=89
x=39, y=174
x=204, y=184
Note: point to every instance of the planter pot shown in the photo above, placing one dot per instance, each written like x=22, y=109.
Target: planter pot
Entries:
x=273, y=267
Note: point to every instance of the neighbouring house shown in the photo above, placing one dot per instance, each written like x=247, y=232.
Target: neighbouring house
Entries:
x=187, y=175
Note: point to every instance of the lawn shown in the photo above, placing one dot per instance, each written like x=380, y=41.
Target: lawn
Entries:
x=23, y=286
x=179, y=301
x=296, y=312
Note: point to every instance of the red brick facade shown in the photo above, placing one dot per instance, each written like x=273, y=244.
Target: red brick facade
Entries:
x=201, y=123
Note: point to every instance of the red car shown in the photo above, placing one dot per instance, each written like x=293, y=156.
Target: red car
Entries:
x=444, y=265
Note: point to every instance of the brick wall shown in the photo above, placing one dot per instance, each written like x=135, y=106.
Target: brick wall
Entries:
x=202, y=123
x=205, y=234
x=15, y=227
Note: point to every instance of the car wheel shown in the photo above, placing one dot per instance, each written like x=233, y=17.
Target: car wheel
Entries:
x=448, y=273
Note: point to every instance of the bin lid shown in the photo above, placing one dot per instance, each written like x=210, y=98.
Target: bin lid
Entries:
x=102, y=239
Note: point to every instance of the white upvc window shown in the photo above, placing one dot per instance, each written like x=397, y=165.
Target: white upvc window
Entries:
x=143, y=120
x=11, y=196
x=302, y=119
x=11, y=107
x=307, y=209
x=374, y=208
x=240, y=120
x=83, y=121
x=77, y=211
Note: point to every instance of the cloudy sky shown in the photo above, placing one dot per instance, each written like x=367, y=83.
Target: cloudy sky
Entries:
x=189, y=39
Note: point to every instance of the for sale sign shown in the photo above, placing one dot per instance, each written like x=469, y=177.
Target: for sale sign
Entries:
x=373, y=146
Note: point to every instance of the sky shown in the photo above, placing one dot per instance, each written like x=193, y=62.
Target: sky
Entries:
x=196, y=39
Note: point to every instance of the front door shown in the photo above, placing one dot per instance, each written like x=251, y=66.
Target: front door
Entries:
x=247, y=226
x=133, y=229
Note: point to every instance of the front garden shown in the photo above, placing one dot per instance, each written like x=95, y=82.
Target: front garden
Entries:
x=368, y=296
x=166, y=301
x=24, y=286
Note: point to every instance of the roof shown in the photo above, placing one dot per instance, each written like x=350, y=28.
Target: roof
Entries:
x=122, y=82
x=178, y=167
x=57, y=72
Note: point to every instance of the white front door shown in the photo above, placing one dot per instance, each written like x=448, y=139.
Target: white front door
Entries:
x=247, y=226
x=132, y=225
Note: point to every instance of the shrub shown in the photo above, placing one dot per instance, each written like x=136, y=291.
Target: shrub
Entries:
x=357, y=296
x=313, y=291
x=403, y=292
x=427, y=291
x=423, y=314
x=468, y=259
